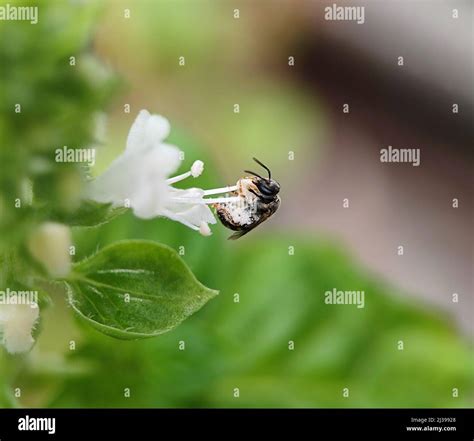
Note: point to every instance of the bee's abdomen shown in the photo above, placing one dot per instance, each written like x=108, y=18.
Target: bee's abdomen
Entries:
x=234, y=218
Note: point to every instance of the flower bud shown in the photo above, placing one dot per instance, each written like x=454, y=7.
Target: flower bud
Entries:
x=49, y=244
x=17, y=323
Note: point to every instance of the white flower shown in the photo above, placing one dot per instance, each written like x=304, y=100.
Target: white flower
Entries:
x=17, y=323
x=139, y=178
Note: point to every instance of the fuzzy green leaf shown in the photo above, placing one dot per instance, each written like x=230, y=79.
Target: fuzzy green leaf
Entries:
x=135, y=289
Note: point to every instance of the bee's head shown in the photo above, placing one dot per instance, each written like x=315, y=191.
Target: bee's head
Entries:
x=267, y=187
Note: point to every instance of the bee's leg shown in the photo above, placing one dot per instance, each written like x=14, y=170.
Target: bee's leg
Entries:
x=258, y=196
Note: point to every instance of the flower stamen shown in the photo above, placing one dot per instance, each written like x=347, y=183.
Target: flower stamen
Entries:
x=196, y=170
x=201, y=201
x=220, y=190
x=178, y=178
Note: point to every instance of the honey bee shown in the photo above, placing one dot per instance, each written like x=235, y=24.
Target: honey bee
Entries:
x=254, y=200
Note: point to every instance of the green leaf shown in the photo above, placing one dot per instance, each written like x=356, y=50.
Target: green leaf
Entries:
x=89, y=214
x=135, y=289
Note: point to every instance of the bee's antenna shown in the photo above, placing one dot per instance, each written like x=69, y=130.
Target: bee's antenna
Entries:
x=265, y=167
x=253, y=173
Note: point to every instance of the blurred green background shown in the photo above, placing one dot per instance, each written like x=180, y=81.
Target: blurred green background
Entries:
x=228, y=344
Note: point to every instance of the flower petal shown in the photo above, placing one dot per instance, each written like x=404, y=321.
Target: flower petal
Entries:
x=204, y=229
x=192, y=212
x=147, y=131
x=139, y=178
